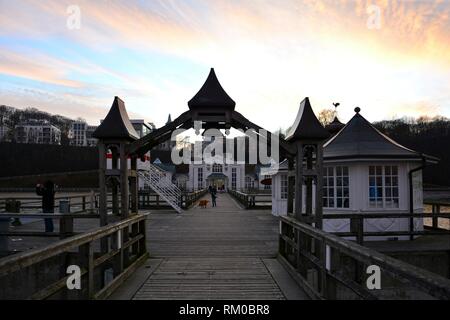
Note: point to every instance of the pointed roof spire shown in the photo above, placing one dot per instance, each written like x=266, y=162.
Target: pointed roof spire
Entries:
x=116, y=125
x=360, y=139
x=306, y=125
x=212, y=95
x=334, y=126
x=169, y=119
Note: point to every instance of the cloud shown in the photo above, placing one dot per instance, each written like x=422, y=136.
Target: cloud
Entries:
x=90, y=108
x=267, y=54
x=42, y=68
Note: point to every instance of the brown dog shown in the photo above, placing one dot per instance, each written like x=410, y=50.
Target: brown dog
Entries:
x=203, y=203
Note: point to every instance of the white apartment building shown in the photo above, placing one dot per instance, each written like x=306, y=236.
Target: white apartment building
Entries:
x=81, y=134
x=37, y=131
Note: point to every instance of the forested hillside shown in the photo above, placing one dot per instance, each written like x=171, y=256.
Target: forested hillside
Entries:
x=12, y=116
x=427, y=135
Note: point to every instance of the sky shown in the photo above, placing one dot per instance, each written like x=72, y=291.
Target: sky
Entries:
x=390, y=58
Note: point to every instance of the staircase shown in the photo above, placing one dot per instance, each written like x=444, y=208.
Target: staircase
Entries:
x=162, y=186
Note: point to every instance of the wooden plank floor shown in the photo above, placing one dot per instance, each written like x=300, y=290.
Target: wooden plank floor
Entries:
x=210, y=278
x=223, y=231
x=213, y=253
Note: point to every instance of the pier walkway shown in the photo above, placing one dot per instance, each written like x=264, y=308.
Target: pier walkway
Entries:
x=224, y=252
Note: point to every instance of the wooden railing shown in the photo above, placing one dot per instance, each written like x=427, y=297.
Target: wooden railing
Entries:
x=436, y=207
x=357, y=223
x=42, y=273
x=253, y=200
x=66, y=224
x=188, y=199
x=78, y=203
x=19, y=208
x=330, y=267
x=151, y=200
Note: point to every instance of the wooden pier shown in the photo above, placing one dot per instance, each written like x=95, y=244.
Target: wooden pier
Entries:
x=224, y=252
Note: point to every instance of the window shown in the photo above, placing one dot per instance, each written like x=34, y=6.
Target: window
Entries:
x=248, y=183
x=200, y=178
x=217, y=168
x=336, y=192
x=267, y=186
x=284, y=186
x=233, y=178
x=383, y=187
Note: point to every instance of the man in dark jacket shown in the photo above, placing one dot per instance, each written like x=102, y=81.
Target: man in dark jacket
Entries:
x=214, y=196
x=47, y=191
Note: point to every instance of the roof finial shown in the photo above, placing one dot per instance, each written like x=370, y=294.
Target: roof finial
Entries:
x=357, y=109
x=335, y=104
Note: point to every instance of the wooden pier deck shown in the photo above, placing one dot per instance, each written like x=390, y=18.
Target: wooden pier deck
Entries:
x=214, y=253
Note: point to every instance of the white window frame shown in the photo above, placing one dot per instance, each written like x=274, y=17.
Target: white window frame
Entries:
x=333, y=185
x=249, y=183
x=267, y=186
x=233, y=178
x=283, y=186
x=200, y=178
x=389, y=187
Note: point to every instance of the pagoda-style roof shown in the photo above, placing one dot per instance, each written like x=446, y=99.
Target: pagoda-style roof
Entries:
x=212, y=95
x=334, y=126
x=360, y=139
x=116, y=125
x=306, y=125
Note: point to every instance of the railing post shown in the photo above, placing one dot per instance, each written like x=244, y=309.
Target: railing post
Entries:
x=357, y=226
x=334, y=266
x=323, y=270
x=142, y=242
x=83, y=205
x=91, y=201
x=436, y=209
x=87, y=262
x=135, y=233
x=65, y=223
x=117, y=244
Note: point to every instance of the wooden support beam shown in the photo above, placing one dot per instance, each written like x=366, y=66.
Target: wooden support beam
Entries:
x=319, y=186
x=159, y=135
x=241, y=122
x=299, y=181
x=102, y=184
x=124, y=187
x=134, y=186
x=291, y=187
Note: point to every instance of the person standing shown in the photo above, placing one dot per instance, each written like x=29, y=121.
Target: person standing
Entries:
x=214, y=196
x=47, y=191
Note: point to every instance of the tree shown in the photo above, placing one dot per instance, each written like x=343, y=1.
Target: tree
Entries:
x=326, y=116
x=424, y=134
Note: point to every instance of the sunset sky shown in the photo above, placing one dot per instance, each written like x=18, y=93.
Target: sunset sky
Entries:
x=391, y=58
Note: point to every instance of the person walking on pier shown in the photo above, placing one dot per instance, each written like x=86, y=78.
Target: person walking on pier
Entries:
x=213, y=191
x=47, y=191
x=214, y=196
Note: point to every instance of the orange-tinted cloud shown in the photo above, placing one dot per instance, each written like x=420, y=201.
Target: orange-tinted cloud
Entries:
x=45, y=69
x=267, y=53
